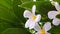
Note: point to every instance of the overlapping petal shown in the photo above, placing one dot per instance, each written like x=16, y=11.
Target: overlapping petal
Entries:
x=27, y=14
x=37, y=27
x=32, y=24
x=38, y=18
x=47, y=26
x=27, y=23
x=52, y=14
x=56, y=21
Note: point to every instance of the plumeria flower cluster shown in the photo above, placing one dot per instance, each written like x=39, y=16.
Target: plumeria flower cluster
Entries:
x=53, y=14
x=32, y=22
x=32, y=18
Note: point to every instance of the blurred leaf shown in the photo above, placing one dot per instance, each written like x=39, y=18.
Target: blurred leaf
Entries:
x=15, y=31
x=6, y=12
x=41, y=5
x=57, y=1
x=58, y=16
x=3, y=26
x=55, y=30
x=18, y=10
x=25, y=1
x=11, y=15
x=6, y=3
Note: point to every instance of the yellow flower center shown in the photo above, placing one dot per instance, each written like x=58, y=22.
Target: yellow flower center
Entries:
x=33, y=17
x=42, y=31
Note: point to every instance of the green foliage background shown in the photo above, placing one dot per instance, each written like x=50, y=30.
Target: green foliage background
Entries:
x=11, y=15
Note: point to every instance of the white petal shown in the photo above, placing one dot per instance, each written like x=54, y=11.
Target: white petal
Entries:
x=57, y=6
x=48, y=33
x=38, y=18
x=52, y=14
x=37, y=27
x=27, y=14
x=37, y=33
x=27, y=23
x=33, y=9
x=47, y=26
x=56, y=21
x=32, y=24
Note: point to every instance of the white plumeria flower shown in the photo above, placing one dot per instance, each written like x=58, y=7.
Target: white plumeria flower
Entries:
x=53, y=14
x=30, y=23
x=46, y=27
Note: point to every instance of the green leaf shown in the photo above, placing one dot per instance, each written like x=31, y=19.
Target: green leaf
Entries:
x=55, y=30
x=3, y=26
x=41, y=5
x=6, y=3
x=57, y=1
x=18, y=10
x=58, y=16
x=6, y=12
x=15, y=31
x=10, y=15
x=25, y=1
